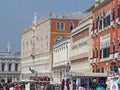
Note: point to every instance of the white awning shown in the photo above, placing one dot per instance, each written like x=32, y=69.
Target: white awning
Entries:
x=88, y=74
x=97, y=74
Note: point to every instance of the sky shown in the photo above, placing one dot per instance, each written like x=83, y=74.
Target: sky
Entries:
x=16, y=15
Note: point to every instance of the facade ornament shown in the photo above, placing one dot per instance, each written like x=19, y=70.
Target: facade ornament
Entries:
x=8, y=47
x=34, y=24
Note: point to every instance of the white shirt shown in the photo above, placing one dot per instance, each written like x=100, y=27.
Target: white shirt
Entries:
x=12, y=88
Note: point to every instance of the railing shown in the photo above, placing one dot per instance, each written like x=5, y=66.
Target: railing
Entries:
x=9, y=73
x=9, y=57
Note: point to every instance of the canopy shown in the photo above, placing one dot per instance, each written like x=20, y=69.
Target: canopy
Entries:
x=88, y=74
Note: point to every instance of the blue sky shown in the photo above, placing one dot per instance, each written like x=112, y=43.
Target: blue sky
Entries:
x=15, y=15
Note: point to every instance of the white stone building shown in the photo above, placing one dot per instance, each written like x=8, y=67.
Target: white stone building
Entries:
x=61, y=63
x=10, y=66
x=81, y=47
x=37, y=44
x=35, y=49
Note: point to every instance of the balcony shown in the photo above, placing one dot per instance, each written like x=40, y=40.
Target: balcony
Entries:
x=118, y=20
x=116, y=55
x=10, y=73
x=92, y=32
x=111, y=56
x=112, y=23
x=91, y=60
x=95, y=61
x=96, y=31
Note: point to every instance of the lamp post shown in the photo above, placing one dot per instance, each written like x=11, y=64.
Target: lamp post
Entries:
x=60, y=75
x=68, y=66
x=68, y=70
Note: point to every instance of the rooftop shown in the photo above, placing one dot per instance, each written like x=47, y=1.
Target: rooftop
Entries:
x=75, y=15
x=5, y=54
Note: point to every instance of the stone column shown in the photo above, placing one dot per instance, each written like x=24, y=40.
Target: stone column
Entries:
x=6, y=66
x=18, y=67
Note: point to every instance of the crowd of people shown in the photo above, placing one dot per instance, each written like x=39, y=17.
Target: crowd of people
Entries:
x=11, y=86
x=42, y=86
x=32, y=86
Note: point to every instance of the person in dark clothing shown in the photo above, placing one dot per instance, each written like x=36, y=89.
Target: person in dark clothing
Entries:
x=99, y=86
x=50, y=87
x=1, y=87
x=6, y=87
x=57, y=87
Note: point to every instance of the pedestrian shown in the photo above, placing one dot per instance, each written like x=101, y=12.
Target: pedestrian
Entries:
x=17, y=87
x=50, y=87
x=12, y=87
x=42, y=86
x=1, y=87
x=5, y=86
x=114, y=87
x=94, y=84
x=38, y=86
x=57, y=87
x=100, y=87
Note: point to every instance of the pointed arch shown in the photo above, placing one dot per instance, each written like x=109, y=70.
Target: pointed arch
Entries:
x=71, y=26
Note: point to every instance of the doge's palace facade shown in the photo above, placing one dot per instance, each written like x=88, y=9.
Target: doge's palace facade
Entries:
x=37, y=44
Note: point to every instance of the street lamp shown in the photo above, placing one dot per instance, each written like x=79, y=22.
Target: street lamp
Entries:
x=60, y=75
x=68, y=67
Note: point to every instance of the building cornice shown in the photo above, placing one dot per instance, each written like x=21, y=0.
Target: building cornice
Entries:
x=62, y=41
x=47, y=18
x=80, y=56
x=81, y=27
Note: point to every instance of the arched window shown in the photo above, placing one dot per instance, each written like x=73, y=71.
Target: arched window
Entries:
x=60, y=26
x=3, y=66
x=96, y=53
x=71, y=26
x=16, y=67
x=93, y=53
